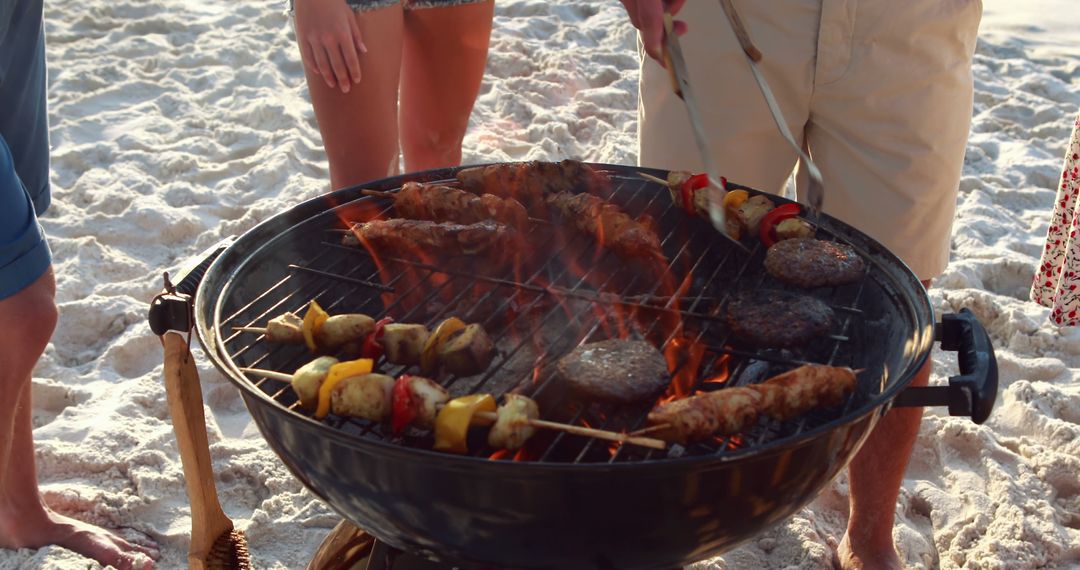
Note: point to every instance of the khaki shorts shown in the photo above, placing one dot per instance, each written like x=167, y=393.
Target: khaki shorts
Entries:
x=879, y=91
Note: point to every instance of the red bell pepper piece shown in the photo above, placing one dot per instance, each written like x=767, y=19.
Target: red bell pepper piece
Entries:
x=372, y=347
x=691, y=186
x=767, y=229
x=403, y=410
x=688, y=188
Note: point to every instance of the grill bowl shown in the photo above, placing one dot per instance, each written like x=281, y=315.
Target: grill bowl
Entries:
x=629, y=512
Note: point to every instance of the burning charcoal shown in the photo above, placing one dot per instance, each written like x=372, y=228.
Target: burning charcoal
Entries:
x=623, y=371
x=769, y=318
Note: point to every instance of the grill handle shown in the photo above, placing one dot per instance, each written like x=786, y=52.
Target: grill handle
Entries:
x=171, y=310
x=974, y=390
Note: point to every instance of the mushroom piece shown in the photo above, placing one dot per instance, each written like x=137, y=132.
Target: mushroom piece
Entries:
x=467, y=351
x=339, y=330
x=512, y=428
x=308, y=378
x=403, y=343
x=365, y=396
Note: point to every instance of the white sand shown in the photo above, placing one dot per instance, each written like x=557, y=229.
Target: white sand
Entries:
x=177, y=123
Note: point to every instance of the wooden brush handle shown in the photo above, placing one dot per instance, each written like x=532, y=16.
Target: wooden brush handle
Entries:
x=208, y=521
x=741, y=34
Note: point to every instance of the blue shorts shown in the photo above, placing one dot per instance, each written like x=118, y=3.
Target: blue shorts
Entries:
x=24, y=146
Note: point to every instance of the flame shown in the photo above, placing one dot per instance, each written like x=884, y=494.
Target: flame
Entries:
x=519, y=455
x=722, y=371
x=684, y=357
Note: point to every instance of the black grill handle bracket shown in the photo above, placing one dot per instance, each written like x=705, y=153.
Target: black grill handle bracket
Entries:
x=171, y=310
x=974, y=390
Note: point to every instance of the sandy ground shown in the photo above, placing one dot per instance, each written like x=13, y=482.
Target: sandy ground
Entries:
x=175, y=124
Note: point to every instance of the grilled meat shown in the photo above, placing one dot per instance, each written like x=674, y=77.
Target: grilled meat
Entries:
x=807, y=387
x=447, y=204
x=731, y=410
x=770, y=318
x=608, y=224
x=615, y=370
x=810, y=262
x=726, y=411
x=427, y=239
x=286, y=328
x=531, y=182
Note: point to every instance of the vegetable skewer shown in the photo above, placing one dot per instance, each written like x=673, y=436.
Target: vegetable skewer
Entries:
x=454, y=346
x=534, y=422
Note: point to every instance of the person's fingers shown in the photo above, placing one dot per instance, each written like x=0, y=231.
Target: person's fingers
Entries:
x=651, y=19
x=337, y=64
x=357, y=38
x=352, y=64
x=674, y=6
x=308, y=56
x=324, y=65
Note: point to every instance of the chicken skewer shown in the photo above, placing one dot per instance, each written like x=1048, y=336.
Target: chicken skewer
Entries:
x=532, y=182
x=312, y=378
x=433, y=239
x=440, y=203
x=453, y=345
x=732, y=410
x=609, y=225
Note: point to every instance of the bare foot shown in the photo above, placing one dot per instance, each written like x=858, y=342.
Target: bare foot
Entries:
x=848, y=558
x=47, y=527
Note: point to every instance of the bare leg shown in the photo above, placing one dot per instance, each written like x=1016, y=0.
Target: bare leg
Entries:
x=27, y=320
x=444, y=56
x=359, y=128
x=875, y=475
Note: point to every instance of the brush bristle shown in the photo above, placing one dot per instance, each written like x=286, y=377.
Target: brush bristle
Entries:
x=230, y=552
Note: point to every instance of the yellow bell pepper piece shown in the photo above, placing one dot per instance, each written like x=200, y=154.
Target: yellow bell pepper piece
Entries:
x=313, y=321
x=429, y=358
x=337, y=373
x=735, y=198
x=452, y=423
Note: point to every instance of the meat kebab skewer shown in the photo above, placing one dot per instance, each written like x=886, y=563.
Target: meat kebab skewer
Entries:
x=532, y=182
x=413, y=399
x=440, y=203
x=731, y=410
x=435, y=239
x=609, y=225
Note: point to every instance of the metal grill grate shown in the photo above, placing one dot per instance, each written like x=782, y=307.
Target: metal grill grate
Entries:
x=524, y=311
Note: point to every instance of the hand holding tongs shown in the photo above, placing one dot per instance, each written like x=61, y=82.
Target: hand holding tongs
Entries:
x=815, y=193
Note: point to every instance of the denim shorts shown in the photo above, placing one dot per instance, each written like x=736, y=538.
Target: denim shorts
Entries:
x=24, y=165
x=368, y=5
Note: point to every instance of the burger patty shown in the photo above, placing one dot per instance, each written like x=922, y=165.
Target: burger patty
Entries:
x=780, y=319
x=810, y=262
x=615, y=370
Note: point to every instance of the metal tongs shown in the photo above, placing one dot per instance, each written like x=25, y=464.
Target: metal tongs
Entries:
x=676, y=65
x=815, y=195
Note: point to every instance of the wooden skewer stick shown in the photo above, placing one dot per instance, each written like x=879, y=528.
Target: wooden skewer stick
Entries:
x=272, y=375
x=538, y=423
x=652, y=178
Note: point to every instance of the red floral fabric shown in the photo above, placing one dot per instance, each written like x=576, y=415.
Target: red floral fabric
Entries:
x=1057, y=280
